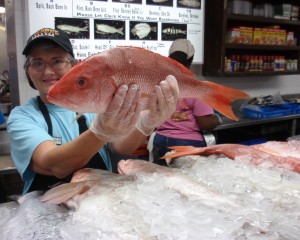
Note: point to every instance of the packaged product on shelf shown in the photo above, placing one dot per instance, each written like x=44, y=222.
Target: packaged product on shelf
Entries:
x=246, y=35
x=242, y=7
x=275, y=35
x=257, y=36
x=263, y=10
x=260, y=63
x=227, y=67
x=266, y=36
x=277, y=63
x=233, y=35
x=233, y=63
x=295, y=13
x=295, y=65
x=290, y=39
x=270, y=36
x=283, y=11
x=288, y=64
x=247, y=63
x=282, y=37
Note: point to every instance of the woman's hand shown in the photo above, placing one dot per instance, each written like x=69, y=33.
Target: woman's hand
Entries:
x=121, y=115
x=161, y=106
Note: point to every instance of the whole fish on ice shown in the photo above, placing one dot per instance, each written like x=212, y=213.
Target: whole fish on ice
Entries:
x=72, y=29
x=89, y=86
x=104, y=28
x=33, y=220
x=257, y=154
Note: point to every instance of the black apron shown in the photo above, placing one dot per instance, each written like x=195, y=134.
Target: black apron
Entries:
x=45, y=182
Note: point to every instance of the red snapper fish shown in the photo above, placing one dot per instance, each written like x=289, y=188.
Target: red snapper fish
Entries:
x=90, y=85
x=258, y=154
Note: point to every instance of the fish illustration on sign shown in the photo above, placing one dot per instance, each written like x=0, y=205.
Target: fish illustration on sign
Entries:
x=142, y=30
x=173, y=31
x=190, y=3
x=90, y=85
x=107, y=29
x=159, y=1
x=72, y=29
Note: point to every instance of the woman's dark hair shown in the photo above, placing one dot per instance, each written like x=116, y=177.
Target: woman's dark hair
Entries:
x=181, y=57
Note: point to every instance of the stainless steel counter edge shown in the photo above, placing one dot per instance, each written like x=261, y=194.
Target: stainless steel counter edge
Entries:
x=228, y=123
x=6, y=165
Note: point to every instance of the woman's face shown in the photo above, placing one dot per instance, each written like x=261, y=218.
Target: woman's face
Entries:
x=46, y=65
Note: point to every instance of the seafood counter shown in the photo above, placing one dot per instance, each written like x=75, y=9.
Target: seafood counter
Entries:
x=244, y=121
x=227, y=193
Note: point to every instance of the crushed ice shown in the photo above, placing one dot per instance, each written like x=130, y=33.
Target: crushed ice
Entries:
x=225, y=200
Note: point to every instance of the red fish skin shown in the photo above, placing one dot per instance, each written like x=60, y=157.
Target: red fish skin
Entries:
x=284, y=149
x=89, y=86
x=235, y=150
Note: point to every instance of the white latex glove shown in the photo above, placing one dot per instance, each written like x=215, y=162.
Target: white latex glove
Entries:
x=121, y=115
x=161, y=106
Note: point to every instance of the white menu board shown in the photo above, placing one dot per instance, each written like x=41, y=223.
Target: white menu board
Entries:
x=95, y=26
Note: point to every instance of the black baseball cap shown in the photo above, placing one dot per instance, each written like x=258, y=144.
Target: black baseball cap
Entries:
x=57, y=36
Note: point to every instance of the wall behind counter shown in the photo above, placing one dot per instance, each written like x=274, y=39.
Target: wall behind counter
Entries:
x=254, y=86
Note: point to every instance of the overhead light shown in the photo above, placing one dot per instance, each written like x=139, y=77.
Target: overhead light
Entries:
x=2, y=9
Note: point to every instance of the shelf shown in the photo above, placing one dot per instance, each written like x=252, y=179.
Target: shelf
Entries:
x=217, y=50
x=258, y=74
x=255, y=19
x=262, y=47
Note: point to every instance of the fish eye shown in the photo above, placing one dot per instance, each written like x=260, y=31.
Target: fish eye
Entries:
x=81, y=83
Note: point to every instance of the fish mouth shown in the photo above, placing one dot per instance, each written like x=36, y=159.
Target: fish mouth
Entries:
x=62, y=102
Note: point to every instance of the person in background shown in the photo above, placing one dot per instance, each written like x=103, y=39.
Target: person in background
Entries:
x=47, y=147
x=191, y=117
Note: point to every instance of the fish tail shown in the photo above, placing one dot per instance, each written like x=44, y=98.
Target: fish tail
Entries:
x=183, y=151
x=220, y=97
x=63, y=192
x=153, y=29
x=120, y=30
x=183, y=148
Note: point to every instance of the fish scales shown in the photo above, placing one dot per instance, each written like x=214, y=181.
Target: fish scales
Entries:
x=89, y=86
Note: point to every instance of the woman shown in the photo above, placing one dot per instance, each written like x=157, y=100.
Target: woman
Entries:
x=47, y=147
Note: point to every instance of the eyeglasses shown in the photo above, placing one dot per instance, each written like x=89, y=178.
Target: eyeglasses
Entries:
x=56, y=64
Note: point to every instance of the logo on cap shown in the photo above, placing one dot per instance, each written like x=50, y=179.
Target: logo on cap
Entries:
x=45, y=32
